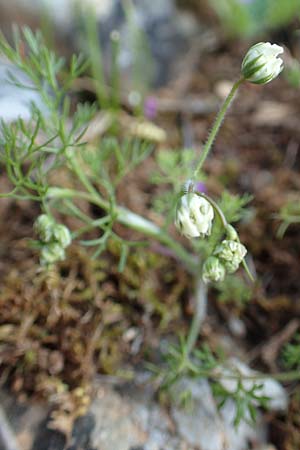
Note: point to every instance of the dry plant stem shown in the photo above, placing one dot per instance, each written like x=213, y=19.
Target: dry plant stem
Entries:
x=7, y=438
x=215, y=129
x=199, y=316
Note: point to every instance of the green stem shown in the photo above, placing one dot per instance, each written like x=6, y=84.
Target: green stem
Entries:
x=199, y=316
x=214, y=131
x=131, y=220
x=216, y=208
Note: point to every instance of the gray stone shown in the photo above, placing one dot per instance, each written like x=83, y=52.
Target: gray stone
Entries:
x=16, y=101
x=204, y=427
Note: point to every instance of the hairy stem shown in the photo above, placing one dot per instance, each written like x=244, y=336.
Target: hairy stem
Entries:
x=218, y=122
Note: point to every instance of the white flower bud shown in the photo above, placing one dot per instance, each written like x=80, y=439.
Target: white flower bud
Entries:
x=231, y=253
x=261, y=64
x=52, y=253
x=194, y=215
x=213, y=270
x=62, y=235
x=44, y=227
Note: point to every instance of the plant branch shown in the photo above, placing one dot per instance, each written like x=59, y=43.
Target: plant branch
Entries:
x=131, y=220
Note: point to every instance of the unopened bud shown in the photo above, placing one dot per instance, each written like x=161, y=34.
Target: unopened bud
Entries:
x=44, y=227
x=261, y=65
x=62, y=235
x=213, y=270
x=51, y=254
x=194, y=215
x=231, y=253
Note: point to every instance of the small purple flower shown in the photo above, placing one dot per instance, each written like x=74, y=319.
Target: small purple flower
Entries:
x=150, y=107
x=201, y=187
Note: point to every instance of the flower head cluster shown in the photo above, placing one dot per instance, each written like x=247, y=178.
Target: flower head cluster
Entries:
x=54, y=238
x=213, y=270
x=226, y=259
x=231, y=253
x=194, y=214
x=261, y=63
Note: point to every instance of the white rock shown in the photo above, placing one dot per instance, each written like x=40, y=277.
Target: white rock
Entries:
x=278, y=399
x=205, y=427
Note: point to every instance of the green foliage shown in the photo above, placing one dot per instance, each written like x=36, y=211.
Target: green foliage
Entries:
x=291, y=354
x=113, y=159
x=174, y=167
x=179, y=363
x=249, y=17
x=246, y=400
x=234, y=206
x=47, y=72
x=203, y=363
x=33, y=151
x=292, y=73
x=233, y=290
x=289, y=214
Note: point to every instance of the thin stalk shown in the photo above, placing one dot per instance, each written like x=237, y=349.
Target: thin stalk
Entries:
x=216, y=208
x=131, y=220
x=199, y=316
x=218, y=122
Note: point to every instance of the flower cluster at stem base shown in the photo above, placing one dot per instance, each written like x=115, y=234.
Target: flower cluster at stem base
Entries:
x=53, y=239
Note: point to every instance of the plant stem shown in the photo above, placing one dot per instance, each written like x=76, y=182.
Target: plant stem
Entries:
x=214, y=131
x=199, y=315
x=215, y=207
x=131, y=220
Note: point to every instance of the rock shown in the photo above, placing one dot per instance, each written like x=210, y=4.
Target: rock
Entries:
x=114, y=429
x=205, y=427
x=131, y=421
x=202, y=426
x=16, y=101
x=24, y=419
x=278, y=399
x=153, y=34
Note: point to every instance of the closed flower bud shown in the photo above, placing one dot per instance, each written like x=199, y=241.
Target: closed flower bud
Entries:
x=44, y=225
x=62, y=235
x=213, y=270
x=231, y=253
x=261, y=64
x=194, y=215
x=52, y=253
